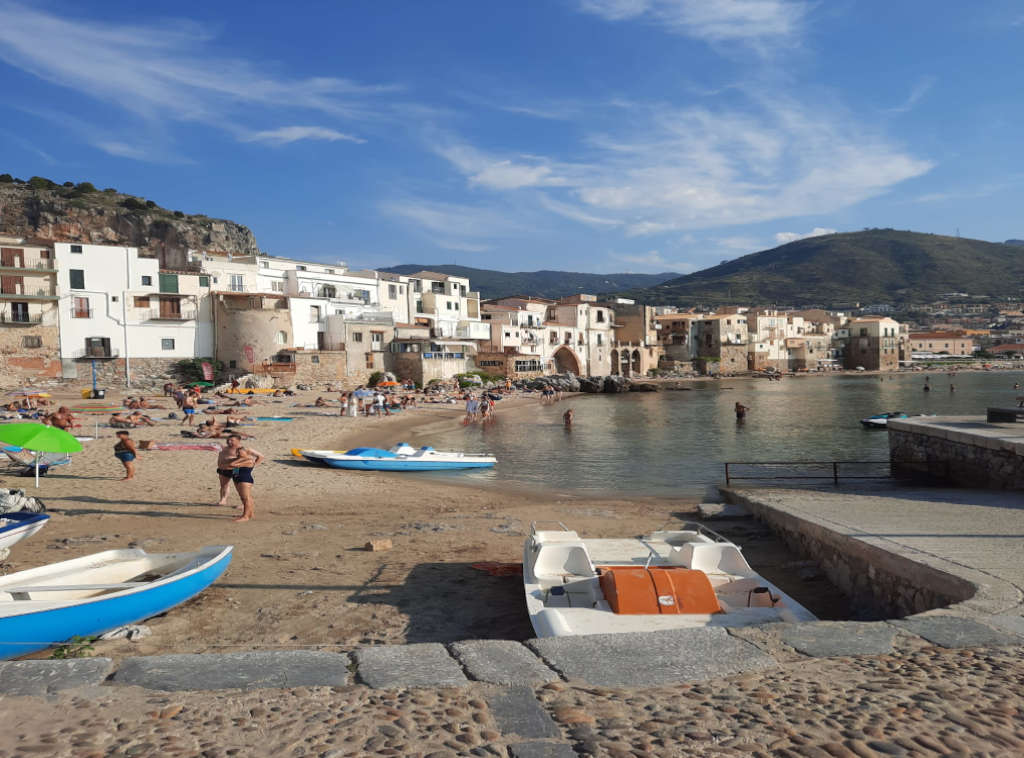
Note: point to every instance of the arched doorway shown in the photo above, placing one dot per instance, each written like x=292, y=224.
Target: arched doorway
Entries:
x=615, y=361
x=566, y=361
x=636, y=363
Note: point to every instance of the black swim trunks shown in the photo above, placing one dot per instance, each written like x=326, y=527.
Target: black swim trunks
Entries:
x=242, y=474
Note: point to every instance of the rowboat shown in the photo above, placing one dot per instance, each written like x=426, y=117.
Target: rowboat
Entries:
x=689, y=577
x=17, y=525
x=94, y=594
x=401, y=457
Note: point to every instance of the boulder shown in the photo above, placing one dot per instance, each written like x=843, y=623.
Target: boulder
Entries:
x=644, y=387
x=613, y=384
x=591, y=384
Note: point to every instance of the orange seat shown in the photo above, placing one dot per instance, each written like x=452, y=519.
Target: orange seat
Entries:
x=657, y=589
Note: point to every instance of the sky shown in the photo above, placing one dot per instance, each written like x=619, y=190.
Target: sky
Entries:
x=581, y=135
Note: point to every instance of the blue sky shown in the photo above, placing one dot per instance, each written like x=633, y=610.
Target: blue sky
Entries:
x=586, y=135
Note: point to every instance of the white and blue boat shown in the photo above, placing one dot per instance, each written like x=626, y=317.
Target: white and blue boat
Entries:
x=401, y=457
x=87, y=596
x=17, y=525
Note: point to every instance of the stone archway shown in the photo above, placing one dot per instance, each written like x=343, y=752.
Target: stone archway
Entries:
x=615, y=361
x=566, y=361
x=636, y=363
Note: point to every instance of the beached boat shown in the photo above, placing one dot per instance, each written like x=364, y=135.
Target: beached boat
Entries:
x=881, y=420
x=94, y=594
x=690, y=577
x=17, y=525
x=401, y=457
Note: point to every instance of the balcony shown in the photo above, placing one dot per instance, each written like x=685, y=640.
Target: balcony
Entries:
x=39, y=267
x=81, y=313
x=20, y=319
x=21, y=292
x=95, y=354
x=156, y=314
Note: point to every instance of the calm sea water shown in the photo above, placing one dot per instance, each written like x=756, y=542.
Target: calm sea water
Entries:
x=674, y=442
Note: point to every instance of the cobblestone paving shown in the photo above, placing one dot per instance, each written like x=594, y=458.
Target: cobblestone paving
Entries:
x=928, y=701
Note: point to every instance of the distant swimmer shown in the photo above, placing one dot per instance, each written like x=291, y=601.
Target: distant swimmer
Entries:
x=741, y=411
x=927, y=388
x=568, y=417
x=952, y=388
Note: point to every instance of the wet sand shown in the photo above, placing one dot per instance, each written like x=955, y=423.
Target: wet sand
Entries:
x=300, y=576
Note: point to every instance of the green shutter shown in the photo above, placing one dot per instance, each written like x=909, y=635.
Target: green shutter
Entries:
x=169, y=283
x=204, y=281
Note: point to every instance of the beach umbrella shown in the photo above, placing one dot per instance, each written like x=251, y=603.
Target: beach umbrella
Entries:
x=39, y=438
x=387, y=384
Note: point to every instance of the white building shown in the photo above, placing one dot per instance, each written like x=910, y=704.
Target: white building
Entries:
x=116, y=304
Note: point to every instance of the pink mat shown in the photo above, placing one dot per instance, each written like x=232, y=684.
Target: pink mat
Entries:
x=183, y=446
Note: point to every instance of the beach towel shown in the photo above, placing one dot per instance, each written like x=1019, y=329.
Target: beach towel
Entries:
x=181, y=446
x=274, y=418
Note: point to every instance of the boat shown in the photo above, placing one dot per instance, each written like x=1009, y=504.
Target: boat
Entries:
x=94, y=594
x=881, y=420
x=401, y=457
x=17, y=525
x=687, y=577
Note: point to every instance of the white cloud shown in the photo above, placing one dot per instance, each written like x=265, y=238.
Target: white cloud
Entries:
x=574, y=212
x=287, y=134
x=169, y=72
x=758, y=22
x=499, y=173
x=458, y=226
x=783, y=237
x=916, y=94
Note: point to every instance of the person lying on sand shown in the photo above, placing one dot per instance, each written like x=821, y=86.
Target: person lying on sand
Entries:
x=141, y=419
x=211, y=429
x=120, y=422
x=320, y=403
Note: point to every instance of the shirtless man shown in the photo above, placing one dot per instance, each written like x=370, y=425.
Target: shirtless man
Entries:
x=188, y=406
x=125, y=452
x=235, y=464
x=141, y=419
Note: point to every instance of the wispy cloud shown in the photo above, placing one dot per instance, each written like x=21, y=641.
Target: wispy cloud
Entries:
x=919, y=91
x=170, y=72
x=757, y=22
x=287, y=134
x=654, y=262
x=783, y=237
x=497, y=172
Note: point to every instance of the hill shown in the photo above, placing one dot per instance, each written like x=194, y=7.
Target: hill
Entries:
x=872, y=266
x=69, y=212
x=550, y=284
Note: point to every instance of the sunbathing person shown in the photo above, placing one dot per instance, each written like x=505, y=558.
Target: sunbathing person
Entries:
x=320, y=403
x=211, y=429
x=119, y=422
x=141, y=419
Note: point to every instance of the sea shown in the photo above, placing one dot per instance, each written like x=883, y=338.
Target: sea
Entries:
x=675, y=443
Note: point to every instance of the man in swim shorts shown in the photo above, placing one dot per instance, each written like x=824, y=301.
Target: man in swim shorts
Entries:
x=125, y=452
x=235, y=464
x=188, y=406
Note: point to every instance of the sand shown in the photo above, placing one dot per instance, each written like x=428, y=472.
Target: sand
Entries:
x=300, y=576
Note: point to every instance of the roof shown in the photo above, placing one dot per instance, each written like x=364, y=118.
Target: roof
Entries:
x=431, y=275
x=1012, y=348
x=938, y=336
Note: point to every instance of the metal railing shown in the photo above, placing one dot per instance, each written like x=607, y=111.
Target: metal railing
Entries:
x=157, y=314
x=81, y=313
x=27, y=319
x=95, y=354
x=41, y=265
x=829, y=470
x=15, y=289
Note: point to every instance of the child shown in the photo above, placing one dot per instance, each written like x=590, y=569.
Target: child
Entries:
x=125, y=452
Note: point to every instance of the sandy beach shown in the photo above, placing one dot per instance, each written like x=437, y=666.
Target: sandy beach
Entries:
x=300, y=576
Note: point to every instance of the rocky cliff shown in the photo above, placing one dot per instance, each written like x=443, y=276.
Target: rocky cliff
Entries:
x=41, y=209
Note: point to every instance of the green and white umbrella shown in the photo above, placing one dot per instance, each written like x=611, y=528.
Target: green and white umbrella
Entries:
x=39, y=438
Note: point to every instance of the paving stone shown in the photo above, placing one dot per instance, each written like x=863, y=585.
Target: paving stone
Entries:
x=517, y=711
x=426, y=664
x=289, y=668
x=954, y=631
x=651, y=658
x=1008, y=622
x=826, y=639
x=47, y=677
x=542, y=750
x=501, y=662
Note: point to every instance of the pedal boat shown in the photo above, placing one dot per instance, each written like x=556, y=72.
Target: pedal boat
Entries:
x=690, y=577
x=17, y=525
x=401, y=457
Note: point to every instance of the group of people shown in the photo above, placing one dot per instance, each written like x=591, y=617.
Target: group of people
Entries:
x=479, y=408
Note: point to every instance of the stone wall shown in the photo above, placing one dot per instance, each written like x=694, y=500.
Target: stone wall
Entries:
x=964, y=461
x=145, y=372
x=19, y=362
x=880, y=584
x=320, y=366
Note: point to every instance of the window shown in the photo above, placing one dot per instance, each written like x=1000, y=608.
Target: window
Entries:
x=282, y=338
x=77, y=276
x=357, y=336
x=600, y=317
x=314, y=314
x=237, y=283
x=32, y=341
x=76, y=248
x=19, y=313
x=232, y=364
x=169, y=283
x=264, y=264
x=417, y=285
x=437, y=288
x=392, y=291
x=369, y=360
x=456, y=306
x=204, y=281
x=147, y=281
x=277, y=286
x=80, y=308
x=166, y=344
x=314, y=359
x=600, y=340
x=141, y=302
x=377, y=339
x=300, y=268
x=448, y=304
x=98, y=347
x=329, y=270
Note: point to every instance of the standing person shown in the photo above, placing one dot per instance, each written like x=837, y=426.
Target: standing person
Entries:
x=125, y=452
x=188, y=407
x=234, y=383
x=741, y=411
x=235, y=464
x=567, y=417
x=342, y=403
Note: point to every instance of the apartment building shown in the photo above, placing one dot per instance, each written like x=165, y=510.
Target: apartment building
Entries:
x=29, y=332
x=636, y=347
x=871, y=343
x=516, y=346
x=942, y=343
x=721, y=343
x=579, y=336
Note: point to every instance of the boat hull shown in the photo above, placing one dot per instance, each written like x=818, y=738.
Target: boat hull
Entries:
x=25, y=525
x=39, y=629
x=393, y=465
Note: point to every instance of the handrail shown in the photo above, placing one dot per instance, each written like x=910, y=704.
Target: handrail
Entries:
x=835, y=474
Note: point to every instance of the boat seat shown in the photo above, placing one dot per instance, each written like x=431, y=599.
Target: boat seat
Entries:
x=561, y=559
x=711, y=558
x=556, y=535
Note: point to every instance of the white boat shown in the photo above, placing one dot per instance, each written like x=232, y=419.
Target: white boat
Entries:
x=17, y=525
x=689, y=577
x=401, y=457
x=94, y=594
x=881, y=420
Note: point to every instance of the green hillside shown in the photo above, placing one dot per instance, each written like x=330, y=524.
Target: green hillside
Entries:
x=873, y=266
x=551, y=284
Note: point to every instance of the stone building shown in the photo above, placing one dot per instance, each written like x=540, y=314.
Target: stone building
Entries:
x=721, y=343
x=29, y=332
x=942, y=343
x=872, y=343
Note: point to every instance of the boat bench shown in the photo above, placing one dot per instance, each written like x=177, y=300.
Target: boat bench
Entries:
x=1004, y=415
